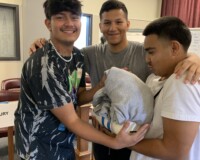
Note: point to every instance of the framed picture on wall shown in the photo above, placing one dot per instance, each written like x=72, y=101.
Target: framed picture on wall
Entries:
x=9, y=32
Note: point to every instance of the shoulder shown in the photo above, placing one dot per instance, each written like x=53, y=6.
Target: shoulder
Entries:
x=36, y=56
x=98, y=48
x=134, y=43
x=77, y=52
x=179, y=100
x=137, y=47
x=175, y=82
x=178, y=90
x=178, y=87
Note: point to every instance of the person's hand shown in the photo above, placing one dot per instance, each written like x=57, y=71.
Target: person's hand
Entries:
x=101, y=84
x=38, y=43
x=126, y=139
x=192, y=65
x=126, y=69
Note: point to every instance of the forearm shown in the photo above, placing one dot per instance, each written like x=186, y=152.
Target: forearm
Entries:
x=87, y=95
x=67, y=115
x=89, y=133
x=157, y=148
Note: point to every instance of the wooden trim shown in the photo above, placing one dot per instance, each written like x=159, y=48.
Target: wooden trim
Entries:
x=10, y=144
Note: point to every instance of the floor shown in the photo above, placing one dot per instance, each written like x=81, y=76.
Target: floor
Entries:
x=4, y=150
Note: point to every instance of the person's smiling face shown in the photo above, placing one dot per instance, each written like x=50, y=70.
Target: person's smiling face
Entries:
x=64, y=27
x=114, y=26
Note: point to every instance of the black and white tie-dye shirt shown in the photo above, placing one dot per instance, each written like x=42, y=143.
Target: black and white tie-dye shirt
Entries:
x=48, y=81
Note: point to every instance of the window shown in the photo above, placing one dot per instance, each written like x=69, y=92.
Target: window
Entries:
x=85, y=38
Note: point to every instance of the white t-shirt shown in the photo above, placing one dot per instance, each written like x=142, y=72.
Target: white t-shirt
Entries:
x=177, y=101
x=154, y=83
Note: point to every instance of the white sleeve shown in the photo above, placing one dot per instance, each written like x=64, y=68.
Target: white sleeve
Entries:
x=181, y=101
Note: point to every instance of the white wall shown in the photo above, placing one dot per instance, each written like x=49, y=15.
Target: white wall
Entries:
x=33, y=23
x=10, y=69
x=138, y=9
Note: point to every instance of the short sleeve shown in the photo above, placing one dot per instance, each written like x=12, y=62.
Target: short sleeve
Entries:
x=181, y=101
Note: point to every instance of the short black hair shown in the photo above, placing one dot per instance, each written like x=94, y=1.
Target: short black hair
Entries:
x=113, y=4
x=52, y=7
x=171, y=28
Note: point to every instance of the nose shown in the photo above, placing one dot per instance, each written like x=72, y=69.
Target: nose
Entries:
x=112, y=27
x=147, y=58
x=68, y=21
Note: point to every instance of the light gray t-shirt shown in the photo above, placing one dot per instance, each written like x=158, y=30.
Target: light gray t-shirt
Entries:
x=98, y=59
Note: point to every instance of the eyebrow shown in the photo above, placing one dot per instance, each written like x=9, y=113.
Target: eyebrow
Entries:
x=118, y=19
x=149, y=48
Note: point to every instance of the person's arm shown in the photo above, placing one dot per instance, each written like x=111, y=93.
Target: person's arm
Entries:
x=67, y=115
x=192, y=65
x=175, y=144
x=86, y=96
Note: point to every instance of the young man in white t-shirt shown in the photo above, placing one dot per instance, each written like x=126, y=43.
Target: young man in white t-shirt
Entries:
x=174, y=133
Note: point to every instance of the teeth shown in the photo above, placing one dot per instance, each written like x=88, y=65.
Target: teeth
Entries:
x=68, y=31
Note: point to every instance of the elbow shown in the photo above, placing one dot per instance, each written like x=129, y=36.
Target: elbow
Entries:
x=177, y=155
x=181, y=156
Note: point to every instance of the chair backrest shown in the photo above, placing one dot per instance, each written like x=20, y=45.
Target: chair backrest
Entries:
x=11, y=84
x=9, y=96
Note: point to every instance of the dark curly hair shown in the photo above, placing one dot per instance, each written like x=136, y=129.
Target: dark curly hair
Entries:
x=113, y=4
x=171, y=28
x=52, y=7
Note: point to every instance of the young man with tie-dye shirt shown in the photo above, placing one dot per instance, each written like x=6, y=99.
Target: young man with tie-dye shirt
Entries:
x=51, y=80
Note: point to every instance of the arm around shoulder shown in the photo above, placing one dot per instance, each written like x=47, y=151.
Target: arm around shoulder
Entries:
x=192, y=65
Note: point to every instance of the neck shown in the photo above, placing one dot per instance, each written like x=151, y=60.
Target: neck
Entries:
x=62, y=48
x=116, y=48
x=176, y=61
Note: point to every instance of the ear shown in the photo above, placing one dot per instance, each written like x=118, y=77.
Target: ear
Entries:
x=48, y=24
x=175, y=46
x=100, y=26
x=128, y=24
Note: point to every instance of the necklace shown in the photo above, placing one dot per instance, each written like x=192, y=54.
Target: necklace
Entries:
x=69, y=60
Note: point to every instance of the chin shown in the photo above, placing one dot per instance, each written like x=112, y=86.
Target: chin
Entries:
x=68, y=42
x=114, y=42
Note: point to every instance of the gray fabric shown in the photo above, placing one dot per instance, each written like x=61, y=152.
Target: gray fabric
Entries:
x=102, y=103
x=99, y=58
x=124, y=97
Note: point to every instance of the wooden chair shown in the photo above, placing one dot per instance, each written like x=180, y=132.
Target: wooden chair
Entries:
x=12, y=84
x=8, y=131
x=7, y=96
x=10, y=90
